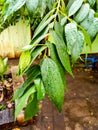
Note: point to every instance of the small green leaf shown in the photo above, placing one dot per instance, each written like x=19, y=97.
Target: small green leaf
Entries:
x=71, y=35
x=40, y=89
x=86, y=36
x=31, y=109
x=24, y=61
x=27, y=47
x=2, y=107
x=5, y=63
x=34, y=55
x=53, y=82
x=74, y=7
x=22, y=100
x=77, y=47
x=2, y=68
x=63, y=8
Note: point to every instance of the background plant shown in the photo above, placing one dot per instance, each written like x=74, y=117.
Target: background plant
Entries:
x=60, y=28
x=3, y=67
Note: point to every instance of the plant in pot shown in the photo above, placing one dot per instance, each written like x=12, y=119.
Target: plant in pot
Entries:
x=61, y=28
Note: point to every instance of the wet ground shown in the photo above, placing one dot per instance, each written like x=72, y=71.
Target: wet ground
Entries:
x=81, y=100
x=80, y=109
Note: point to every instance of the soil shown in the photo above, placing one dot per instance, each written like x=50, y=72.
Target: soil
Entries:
x=81, y=100
x=6, y=92
x=80, y=109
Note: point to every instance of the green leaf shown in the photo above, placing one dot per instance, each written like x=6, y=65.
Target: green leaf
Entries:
x=31, y=109
x=46, y=20
x=32, y=69
x=42, y=7
x=77, y=47
x=37, y=51
x=71, y=35
x=61, y=50
x=53, y=82
x=70, y=2
x=63, y=21
x=34, y=54
x=58, y=28
x=2, y=107
x=34, y=42
x=86, y=36
x=27, y=47
x=50, y=4
x=63, y=8
x=24, y=61
x=12, y=6
x=2, y=67
x=31, y=76
x=43, y=34
x=5, y=63
x=54, y=56
x=40, y=89
x=21, y=102
x=91, y=2
x=74, y=7
x=31, y=6
x=96, y=14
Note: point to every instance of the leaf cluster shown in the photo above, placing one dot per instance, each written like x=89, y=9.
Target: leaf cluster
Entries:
x=56, y=36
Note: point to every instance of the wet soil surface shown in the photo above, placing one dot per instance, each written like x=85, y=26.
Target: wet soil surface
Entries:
x=80, y=109
x=81, y=100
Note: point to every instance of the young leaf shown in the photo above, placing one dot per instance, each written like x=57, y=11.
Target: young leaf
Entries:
x=74, y=7
x=61, y=50
x=22, y=100
x=39, y=88
x=53, y=82
x=31, y=109
x=24, y=61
